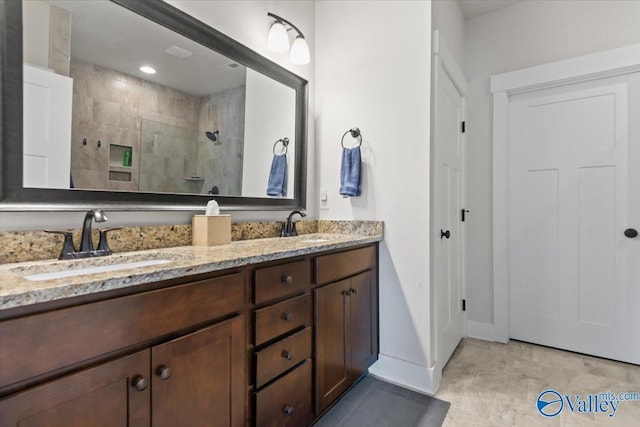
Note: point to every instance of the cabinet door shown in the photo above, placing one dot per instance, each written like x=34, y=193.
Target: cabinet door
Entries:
x=332, y=345
x=103, y=396
x=199, y=379
x=363, y=323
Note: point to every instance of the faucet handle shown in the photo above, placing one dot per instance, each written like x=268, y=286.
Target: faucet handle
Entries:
x=68, y=249
x=103, y=243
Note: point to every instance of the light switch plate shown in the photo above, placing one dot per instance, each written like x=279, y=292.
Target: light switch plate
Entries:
x=324, y=199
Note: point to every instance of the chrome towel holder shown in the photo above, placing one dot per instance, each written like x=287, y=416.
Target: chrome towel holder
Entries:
x=355, y=133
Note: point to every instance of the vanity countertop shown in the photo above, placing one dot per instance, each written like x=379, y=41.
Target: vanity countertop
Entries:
x=18, y=291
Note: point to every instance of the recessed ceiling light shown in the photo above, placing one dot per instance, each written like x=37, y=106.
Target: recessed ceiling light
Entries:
x=147, y=69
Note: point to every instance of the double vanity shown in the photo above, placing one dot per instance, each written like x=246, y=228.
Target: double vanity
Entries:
x=264, y=332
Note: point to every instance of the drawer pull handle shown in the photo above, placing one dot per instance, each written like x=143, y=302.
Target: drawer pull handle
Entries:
x=287, y=279
x=288, y=409
x=288, y=317
x=163, y=372
x=139, y=382
x=287, y=355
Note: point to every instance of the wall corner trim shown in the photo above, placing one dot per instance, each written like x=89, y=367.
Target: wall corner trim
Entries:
x=480, y=330
x=419, y=378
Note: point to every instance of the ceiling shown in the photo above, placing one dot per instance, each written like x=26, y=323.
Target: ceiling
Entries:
x=472, y=8
x=111, y=36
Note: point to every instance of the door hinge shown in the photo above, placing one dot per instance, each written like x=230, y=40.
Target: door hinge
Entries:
x=463, y=214
x=464, y=305
x=463, y=127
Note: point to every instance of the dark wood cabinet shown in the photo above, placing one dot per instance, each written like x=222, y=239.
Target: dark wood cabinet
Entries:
x=287, y=402
x=188, y=365
x=363, y=323
x=199, y=378
x=283, y=329
x=102, y=396
x=272, y=344
x=346, y=335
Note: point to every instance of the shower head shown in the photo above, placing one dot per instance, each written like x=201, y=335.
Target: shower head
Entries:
x=213, y=136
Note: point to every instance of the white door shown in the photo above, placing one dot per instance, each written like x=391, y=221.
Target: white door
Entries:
x=47, y=129
x=573, y=191
x=448, y=203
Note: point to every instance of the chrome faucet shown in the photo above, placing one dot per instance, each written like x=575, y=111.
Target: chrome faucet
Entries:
x=86, y=242
x=289, y=227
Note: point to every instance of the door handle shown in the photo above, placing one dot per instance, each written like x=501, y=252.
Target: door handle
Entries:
x=445, y=234
x=631, y=233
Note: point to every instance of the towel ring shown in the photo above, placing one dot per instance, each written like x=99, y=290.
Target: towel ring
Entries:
x=285, y=145
x=355, y=133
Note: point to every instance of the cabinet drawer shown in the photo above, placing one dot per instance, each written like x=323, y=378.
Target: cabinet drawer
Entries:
x=72, y=335
x=283, y=355
x=330, y=268
x=286, y=402
x=281, y=318
x=281, y=280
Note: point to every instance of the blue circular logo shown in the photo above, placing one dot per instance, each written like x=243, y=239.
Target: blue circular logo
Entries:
x=549, y=403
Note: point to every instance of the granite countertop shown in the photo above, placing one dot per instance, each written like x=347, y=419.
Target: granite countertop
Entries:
x=18, y=291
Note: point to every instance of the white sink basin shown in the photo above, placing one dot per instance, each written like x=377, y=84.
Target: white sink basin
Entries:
x=314, y=240
x=94, y=270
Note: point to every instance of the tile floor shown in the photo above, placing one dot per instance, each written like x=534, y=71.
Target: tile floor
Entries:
x=492, y=384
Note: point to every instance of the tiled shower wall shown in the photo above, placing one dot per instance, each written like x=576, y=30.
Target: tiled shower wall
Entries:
x=108, y=106
x=221, y=165
x=164, y=125
x=169, y=158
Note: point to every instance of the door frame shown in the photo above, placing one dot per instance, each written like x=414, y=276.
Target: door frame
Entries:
x=594, y=66
x=444, y=62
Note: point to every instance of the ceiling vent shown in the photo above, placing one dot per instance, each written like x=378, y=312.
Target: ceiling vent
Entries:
x=178, y=52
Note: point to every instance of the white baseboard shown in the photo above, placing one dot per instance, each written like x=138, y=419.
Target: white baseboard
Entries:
x=412, y=376
x=480, y=330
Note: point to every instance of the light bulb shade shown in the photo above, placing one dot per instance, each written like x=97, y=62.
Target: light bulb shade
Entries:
x=278, y=38
x=299, y=51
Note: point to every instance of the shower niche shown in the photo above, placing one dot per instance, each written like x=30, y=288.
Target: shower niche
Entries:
x=120, y=163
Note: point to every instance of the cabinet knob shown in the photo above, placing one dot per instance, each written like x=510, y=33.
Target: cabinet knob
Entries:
x=288, y=317
x=353, y=291
x=346, y=292
x=288, y=409
x=287, y=354
x=139, y=382
x=163, y=372
x=287, y=279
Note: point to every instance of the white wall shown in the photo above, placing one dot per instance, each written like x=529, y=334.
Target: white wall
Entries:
x=525, y=34
x=448, y=18
x=35, y=45
x=247, y=22
x=373, y=72
x=264, y=125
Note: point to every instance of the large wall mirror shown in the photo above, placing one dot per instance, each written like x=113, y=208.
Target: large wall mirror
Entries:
x=137, y=105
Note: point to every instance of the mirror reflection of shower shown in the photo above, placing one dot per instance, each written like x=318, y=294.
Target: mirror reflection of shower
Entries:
x=214, y=136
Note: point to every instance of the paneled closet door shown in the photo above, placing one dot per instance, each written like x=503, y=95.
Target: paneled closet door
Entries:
x=573, y=192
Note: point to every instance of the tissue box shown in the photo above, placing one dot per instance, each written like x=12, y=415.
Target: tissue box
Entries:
x=211, y=230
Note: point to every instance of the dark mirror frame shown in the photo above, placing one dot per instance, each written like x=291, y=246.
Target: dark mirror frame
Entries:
x=13, y=197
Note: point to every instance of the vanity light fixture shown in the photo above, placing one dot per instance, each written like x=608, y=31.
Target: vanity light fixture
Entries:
x=147, y=70
x=278, y=41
